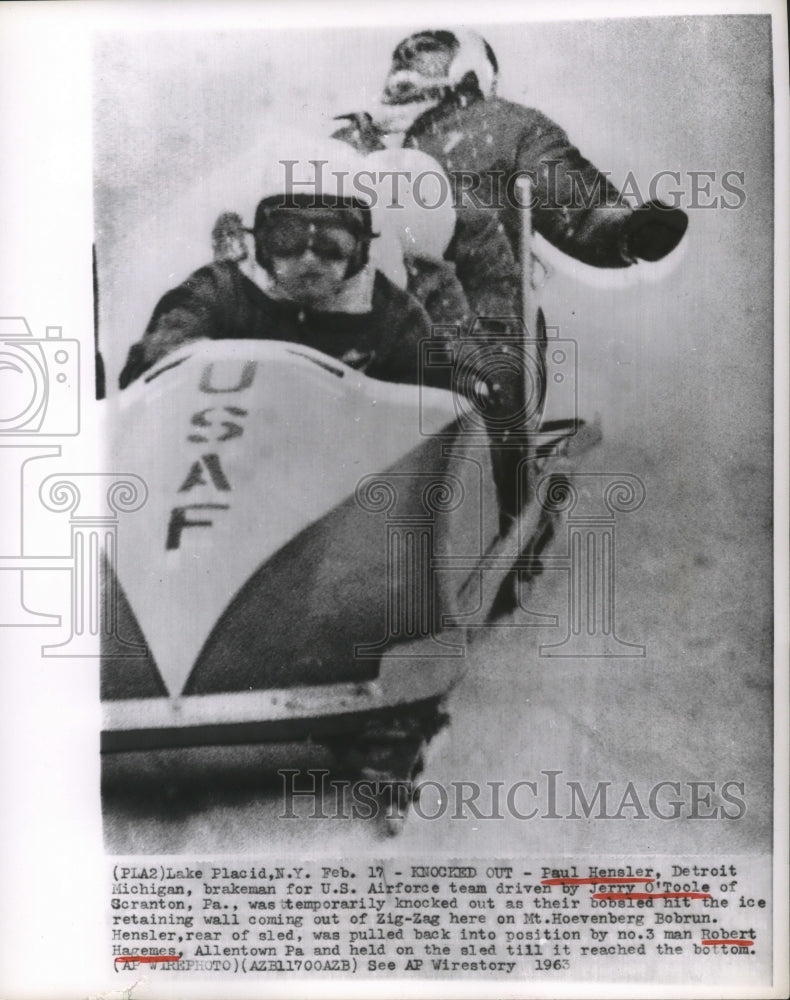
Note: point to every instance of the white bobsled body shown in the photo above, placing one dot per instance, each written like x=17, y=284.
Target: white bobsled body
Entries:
x=306, y=553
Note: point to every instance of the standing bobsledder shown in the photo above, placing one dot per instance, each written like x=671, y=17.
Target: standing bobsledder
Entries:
x=440, y=97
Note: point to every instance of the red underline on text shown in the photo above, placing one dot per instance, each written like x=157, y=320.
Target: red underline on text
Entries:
x=651, y=895
x=595, y=881
x=149, y=959
x=712, y=942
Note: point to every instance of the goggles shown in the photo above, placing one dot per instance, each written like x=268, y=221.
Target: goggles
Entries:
x=292, y=237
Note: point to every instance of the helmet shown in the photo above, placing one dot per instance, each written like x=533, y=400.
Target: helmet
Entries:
x=474, y=55
x=429, y=63
x=413, y=201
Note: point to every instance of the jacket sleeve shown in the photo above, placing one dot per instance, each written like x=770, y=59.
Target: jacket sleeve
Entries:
x=484, y=261
x=192, y=311
x=404, y=360
x=444, y=298
x=403, y=326
x=574, y=206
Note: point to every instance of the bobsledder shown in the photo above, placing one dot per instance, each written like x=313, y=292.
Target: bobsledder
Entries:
x=319, y=540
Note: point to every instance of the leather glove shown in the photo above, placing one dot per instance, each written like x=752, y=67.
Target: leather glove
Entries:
x=654, y=230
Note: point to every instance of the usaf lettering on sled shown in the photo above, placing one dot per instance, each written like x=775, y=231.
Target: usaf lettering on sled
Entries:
x=332, y=501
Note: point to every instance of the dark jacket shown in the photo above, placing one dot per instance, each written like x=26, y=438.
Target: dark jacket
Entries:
x=219, y=302
x=436, y=287
x=482, y=144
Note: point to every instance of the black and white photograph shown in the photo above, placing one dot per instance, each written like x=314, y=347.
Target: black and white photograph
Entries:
x=400, y=499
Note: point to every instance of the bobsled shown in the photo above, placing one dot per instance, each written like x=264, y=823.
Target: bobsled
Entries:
x=314, y=549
